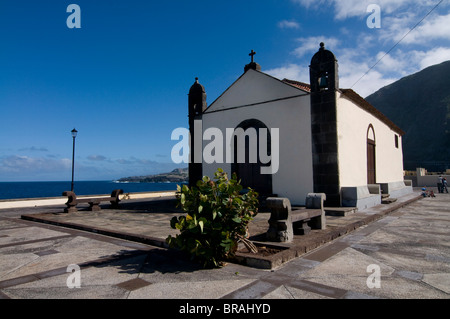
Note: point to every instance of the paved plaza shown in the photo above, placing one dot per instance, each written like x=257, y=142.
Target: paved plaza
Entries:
x=402, y=254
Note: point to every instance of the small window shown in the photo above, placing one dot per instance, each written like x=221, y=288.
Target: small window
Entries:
x=396, y=141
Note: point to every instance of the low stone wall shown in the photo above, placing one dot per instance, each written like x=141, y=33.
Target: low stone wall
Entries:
x=367, y=196
x=361, y=197
x=430, y=180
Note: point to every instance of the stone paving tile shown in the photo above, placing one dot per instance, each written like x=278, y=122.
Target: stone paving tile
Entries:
x=394, y=287
x=319, y=288
x=133, y=284
x=409, y=262
x=8, y=224
x=72, y=251
x=439, y=281
x=205, y=289
x=47, y=252
x=286, y=292
x=92, y=292
x=253, y=290
x=346, y=263
x=327, y=251
x=27, y=234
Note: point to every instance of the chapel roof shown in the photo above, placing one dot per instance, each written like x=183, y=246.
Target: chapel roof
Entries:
x=297, y=84
x=355, y=98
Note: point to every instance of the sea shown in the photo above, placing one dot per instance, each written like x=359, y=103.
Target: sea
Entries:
x=19, y=190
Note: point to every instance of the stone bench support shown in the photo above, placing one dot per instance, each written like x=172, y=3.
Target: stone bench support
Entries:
x=94, y=203
x=284, y=221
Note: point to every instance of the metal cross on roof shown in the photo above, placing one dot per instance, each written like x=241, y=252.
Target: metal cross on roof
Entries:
x=252, y=54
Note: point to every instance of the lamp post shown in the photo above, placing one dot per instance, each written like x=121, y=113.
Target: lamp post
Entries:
x=74, y=135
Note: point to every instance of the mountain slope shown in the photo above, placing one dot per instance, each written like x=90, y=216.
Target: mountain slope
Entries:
x=420, y=105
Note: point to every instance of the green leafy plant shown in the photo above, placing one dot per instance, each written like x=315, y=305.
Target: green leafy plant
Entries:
x=217, y=217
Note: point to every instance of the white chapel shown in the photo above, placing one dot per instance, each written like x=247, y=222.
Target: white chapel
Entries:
x=307, y=138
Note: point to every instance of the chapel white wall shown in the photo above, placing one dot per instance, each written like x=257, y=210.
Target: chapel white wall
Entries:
x=352, y=126
x=294, y=178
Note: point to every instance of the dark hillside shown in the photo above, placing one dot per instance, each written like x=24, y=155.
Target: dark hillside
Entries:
x=420, y=105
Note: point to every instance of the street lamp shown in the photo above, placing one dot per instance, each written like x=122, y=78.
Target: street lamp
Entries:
x=74, y=135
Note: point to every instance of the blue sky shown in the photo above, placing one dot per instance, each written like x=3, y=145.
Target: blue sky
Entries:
x=122, y=78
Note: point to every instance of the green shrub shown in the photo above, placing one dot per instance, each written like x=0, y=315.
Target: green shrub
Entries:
x=217, y=217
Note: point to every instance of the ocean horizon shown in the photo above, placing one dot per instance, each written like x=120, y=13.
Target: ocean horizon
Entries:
x=23, y=190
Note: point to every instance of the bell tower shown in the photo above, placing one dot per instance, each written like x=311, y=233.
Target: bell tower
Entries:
x=196, y=105
x=324, y=84
x=323, y=71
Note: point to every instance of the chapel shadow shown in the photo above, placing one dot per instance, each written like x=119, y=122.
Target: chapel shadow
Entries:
x=147, y=206
x=166, y=205
x=164, y=261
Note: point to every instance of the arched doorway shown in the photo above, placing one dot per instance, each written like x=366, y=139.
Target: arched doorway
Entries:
x=248, y=165
x=371, y=156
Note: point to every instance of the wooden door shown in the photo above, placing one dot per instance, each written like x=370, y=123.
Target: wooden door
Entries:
x=371, y=167
x=250, y=173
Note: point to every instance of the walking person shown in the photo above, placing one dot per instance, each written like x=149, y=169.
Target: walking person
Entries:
x=444, y=185
x=440, y=184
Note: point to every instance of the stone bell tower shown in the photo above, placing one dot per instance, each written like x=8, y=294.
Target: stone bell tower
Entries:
x=197, y=105
x=324, y=84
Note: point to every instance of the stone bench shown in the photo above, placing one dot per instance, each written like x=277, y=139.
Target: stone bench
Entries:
x=94, y=203
x=284, y=220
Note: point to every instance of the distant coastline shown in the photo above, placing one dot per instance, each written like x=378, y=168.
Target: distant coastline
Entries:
x=25, y=190
x=133, y=184
x=178, y=175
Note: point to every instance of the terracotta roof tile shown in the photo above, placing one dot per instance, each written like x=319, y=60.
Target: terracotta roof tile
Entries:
x=304, y=86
